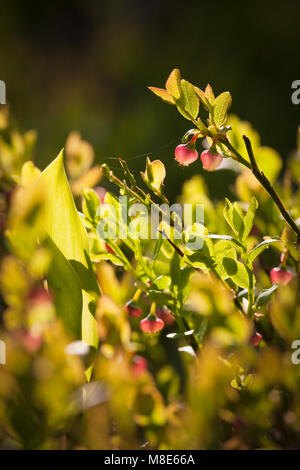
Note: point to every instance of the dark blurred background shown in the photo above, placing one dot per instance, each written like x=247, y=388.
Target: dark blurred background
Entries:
x=86, y=65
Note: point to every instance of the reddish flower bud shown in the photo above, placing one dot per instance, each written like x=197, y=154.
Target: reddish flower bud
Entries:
x=280, y=276
x=38, y=296
x=166, y=316
x=211, y=160
x=256, y=339
x=133, y=309
x=30, y=342
x=100, y=193
x=139, y=365
x=185, y=154
x=151, y=324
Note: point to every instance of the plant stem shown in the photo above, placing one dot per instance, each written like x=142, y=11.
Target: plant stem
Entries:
x=121, y=184
x=238, y=156
x=261, y=177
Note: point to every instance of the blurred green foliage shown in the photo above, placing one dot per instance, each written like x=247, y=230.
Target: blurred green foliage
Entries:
x=85, y=66
x=158, y=391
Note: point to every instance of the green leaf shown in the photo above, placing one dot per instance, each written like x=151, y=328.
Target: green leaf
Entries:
x=264, y=295
x=184, y=286
x=193, y=237
x=260, y=248
x=222, y=104
x=66, y=230
x=188, y=103
x=201, y=261
x=163, y=94
x=204, y=258
x=173, y=84
x=238, y=272
x=162, y=283
x=116, y=217
x=119, y=253
x=157, y=247
x=210, y=94
x=90, y=205
x=29, y=173
x=201, y=330
x=105, y=256
x=64, y=283
x=175, y=269
x=201, y=95
x=140, y=258
x=162, y=298
x=224, y=237
x=224, y=249
x=234, y=217
x=249, y=217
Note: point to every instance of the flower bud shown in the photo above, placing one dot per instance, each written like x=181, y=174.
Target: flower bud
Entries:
x=280, y=276
x=101, y=192
x=154, y=175
x=165, y=315
x=139, y=365
x=256, y=339
x=29, y=341
x=211, y=160
x=133, y=309
x=151, y=324
x=39, y=296
x=185, y=154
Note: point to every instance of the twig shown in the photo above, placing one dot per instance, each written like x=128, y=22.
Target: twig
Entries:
x=261, y=177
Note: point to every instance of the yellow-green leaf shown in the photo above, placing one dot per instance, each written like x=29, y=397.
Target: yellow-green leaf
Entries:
x=162, y=93
x=66, y=230
x=222, y=105
x=173, y=85
x=64, y=283
x=238, y=272
x=29, y=173
x=188, y=104
x=223, y=249
x=209, y=94
x=249, y=218
x=258, y=249
x=234, y=217
x=154, y=174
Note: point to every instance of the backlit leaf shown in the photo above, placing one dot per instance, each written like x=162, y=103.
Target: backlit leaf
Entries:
x=237, y=271
x=234, y=217
x=64, y=282
x=163, y=94
x=209, y=94
x=173, y=85
x=249, y=217
x=90, y=205
x=222, y=105
x=65, y=228
x=188, y=104
x=265, y=295
x=260, y=248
